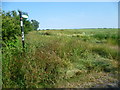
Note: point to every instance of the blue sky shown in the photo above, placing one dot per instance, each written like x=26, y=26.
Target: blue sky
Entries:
x=58, y=15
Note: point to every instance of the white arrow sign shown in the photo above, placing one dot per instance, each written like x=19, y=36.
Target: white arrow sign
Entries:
x=25, y=16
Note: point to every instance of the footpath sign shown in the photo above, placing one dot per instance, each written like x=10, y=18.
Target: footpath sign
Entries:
x=22, y=15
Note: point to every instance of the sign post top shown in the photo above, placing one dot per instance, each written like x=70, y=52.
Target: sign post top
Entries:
x=23, y=14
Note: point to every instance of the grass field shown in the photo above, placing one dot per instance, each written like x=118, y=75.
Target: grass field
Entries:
x=62, y=59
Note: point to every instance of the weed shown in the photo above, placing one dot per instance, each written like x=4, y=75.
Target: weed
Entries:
x=54, y=56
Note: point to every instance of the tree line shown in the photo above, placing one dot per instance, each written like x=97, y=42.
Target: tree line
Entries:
x=11, y=25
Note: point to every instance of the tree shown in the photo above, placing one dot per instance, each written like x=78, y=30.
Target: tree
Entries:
x=14, y=13
x=35, y=24
x=10, y=26
x=27, y=26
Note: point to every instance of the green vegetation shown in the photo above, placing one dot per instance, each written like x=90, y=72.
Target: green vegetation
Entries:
x=11, y=25
x=54, y=56
x=57, y=58
x=35, y=24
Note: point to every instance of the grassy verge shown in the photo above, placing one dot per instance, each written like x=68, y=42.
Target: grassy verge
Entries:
x=65, y=55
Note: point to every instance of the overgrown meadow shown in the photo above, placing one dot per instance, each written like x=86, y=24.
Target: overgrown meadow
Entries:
x=75, y=58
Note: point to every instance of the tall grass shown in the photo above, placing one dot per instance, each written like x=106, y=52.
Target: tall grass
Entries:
x=50, y=58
